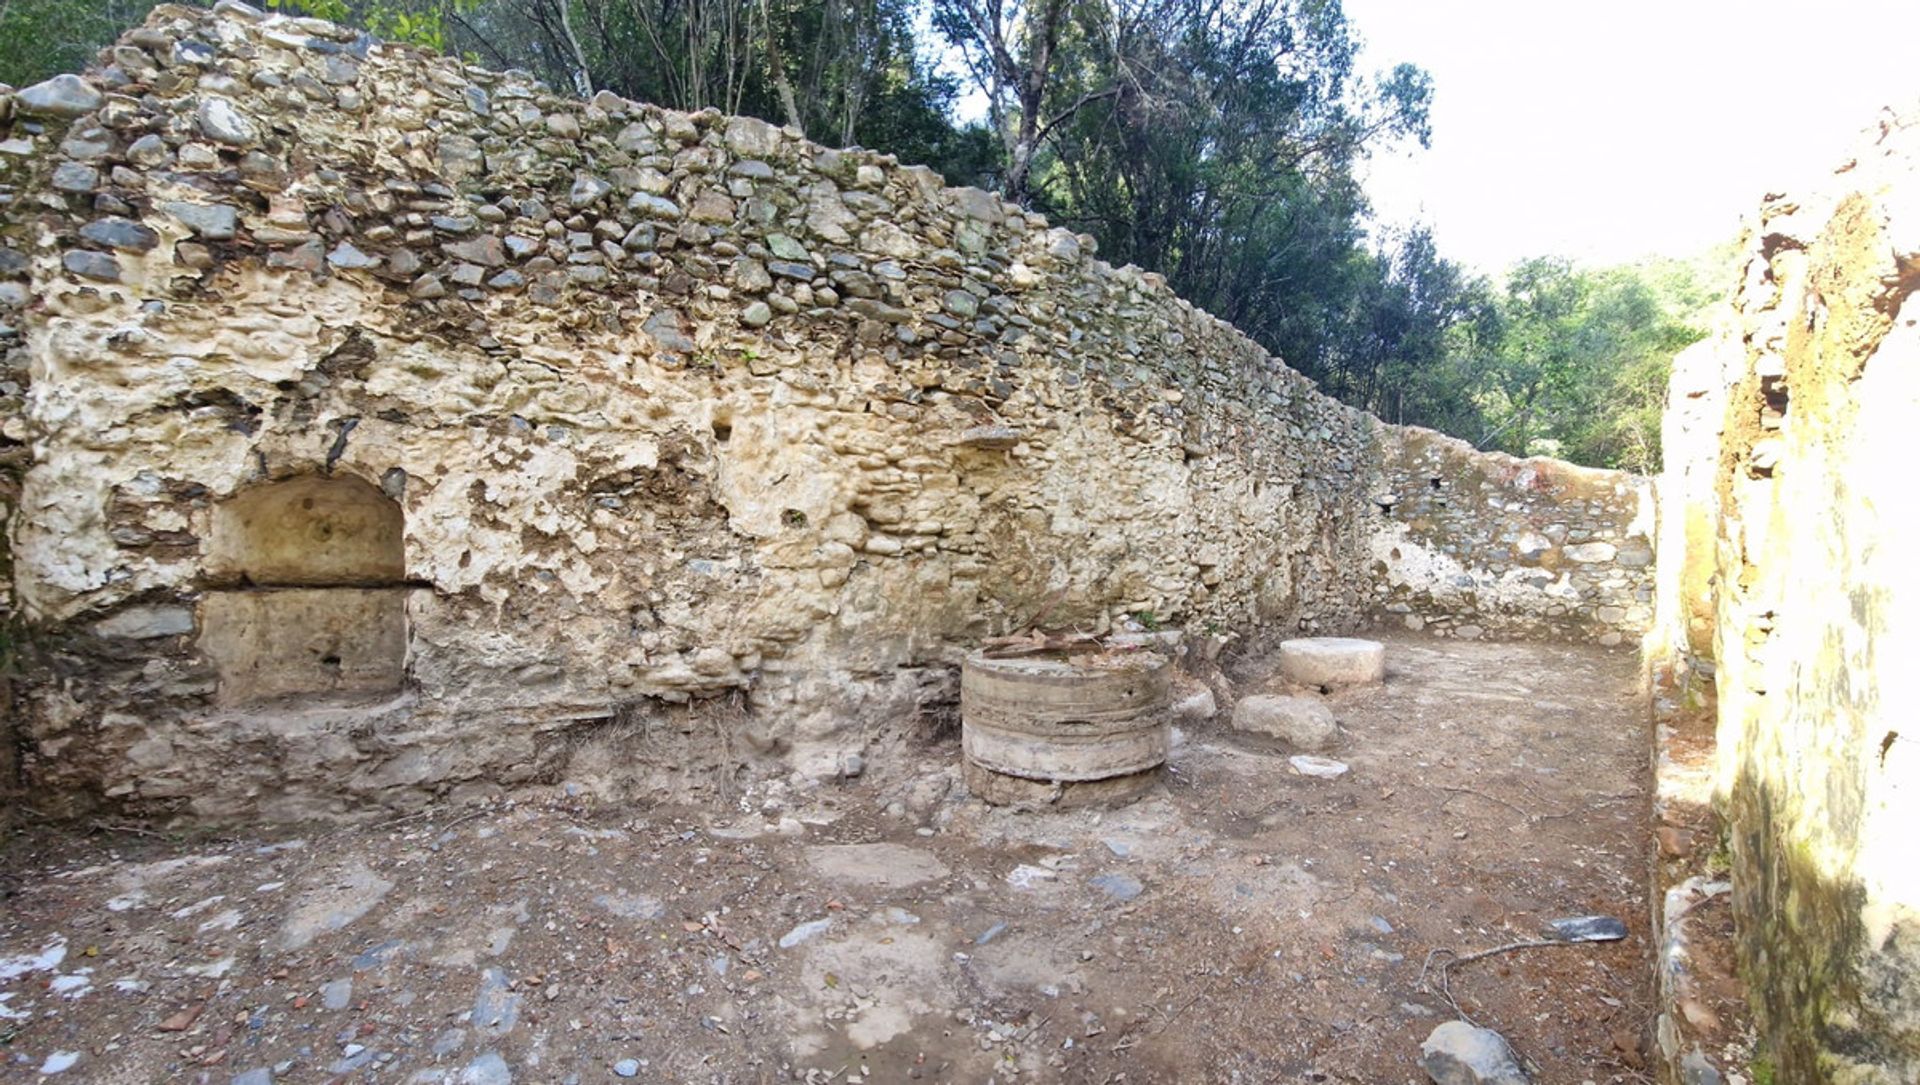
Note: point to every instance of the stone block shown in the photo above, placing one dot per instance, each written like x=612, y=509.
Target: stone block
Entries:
x=1302, y=722
x=276, y=643
x=146, y=623
x=1195, y=704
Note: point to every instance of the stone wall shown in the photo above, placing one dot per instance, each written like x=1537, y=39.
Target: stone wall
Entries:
x=1816, y=612
x=14, y=458
x=1481, y=544
x=403, y=430
x=1679, y=643
x=1696, y=1033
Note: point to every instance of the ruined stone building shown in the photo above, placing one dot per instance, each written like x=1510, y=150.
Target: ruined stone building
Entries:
x=1783, y=580
x=377, y=432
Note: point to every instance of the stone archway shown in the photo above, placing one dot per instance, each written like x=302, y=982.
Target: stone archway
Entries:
x=312, y=597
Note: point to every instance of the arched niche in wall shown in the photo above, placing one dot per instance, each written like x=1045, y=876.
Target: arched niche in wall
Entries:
x=311, y=596
x=312, y=530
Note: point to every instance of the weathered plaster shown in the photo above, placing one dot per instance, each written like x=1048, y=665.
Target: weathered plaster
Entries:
x=1816, y=613
x=713, y=449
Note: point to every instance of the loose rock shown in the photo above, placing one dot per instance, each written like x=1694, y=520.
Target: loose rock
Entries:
x=1457, y=1053
x=1302, y=722
x=804, y=932
x=1196, y=706
x=1589, y=928
x=488, y=1069
x=64, y=95
x=1325, y=768
x=337, y=994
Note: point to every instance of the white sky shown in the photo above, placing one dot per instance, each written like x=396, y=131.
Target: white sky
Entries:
x=1612, y=130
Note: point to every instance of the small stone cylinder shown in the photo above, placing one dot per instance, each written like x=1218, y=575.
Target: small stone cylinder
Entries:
x=1330, y=662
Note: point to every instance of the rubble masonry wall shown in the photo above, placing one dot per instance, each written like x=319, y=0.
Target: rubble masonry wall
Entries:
x=387, y=429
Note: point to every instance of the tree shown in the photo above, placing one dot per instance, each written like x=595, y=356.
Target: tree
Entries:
x=843, y=71
x=1579, y=367
x=1010, y=47
x=1214, y=141
x=1141, y=77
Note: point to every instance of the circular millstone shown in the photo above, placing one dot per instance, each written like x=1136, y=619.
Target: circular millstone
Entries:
x=1333, y=661
x=1055, y=730
x=1000, y=789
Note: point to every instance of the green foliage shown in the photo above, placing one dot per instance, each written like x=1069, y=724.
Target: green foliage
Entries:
x=42, y=38
x=1579, y=368
x=422, y=22
x=1218, y=143
x=845, y=71
x=335, y=10
x=1720, y=860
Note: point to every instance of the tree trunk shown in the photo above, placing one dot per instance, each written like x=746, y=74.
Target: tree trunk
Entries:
x=582, y=82
x=782, y=85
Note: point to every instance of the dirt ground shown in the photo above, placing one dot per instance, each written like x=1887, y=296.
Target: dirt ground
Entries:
x=1242, y=923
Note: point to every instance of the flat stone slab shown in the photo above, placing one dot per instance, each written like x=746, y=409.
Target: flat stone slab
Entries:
x=1333, y=661
x=889, y=866
x=331, y=904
